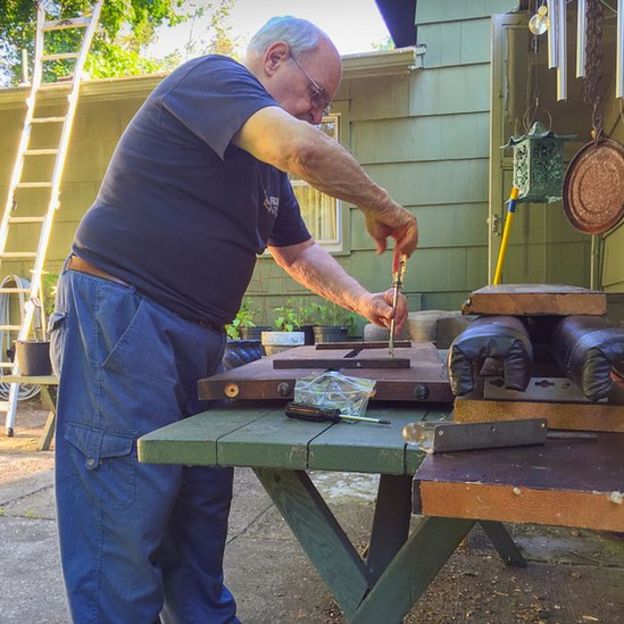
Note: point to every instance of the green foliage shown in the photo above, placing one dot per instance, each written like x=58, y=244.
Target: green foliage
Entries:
x=48, y=290
x=125, y=29
x=287, y=319
x=244, y=318
x=330, y=314
x=220, y=40
x=384, y=44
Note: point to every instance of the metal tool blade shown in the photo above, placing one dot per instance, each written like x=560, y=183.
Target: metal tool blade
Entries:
x=398, y=273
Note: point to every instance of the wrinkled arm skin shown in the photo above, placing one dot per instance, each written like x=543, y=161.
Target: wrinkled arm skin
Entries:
x=313, y=267
x=279, y=139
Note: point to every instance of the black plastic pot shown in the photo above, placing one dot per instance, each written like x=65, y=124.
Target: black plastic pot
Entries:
x=308, y=332
x=330, y=333
x=239, y=352
x=253, y=333
x=33, y=357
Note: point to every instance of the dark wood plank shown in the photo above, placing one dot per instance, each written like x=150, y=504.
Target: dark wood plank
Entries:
x=536, y=300
x=356, y=346
x=320, y=535
x=574, y=483
x=412, y=569
x=425, y=380
x=390, y=523
x=572, y=416
x=343, y=363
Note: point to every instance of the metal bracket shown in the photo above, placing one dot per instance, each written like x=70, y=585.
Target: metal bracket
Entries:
x=542, y=389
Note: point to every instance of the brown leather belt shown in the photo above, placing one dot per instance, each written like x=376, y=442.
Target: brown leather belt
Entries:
x=76, y=263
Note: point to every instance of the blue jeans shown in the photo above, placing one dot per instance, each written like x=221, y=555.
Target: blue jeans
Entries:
x=138, y=541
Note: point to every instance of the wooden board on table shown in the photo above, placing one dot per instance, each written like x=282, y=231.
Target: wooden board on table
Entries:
x=425, y=379
x=342, y=363
x=570, y=416
x=536, y=300
x=576, y=483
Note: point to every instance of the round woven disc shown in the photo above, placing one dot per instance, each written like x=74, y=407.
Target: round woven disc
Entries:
x=593, y=189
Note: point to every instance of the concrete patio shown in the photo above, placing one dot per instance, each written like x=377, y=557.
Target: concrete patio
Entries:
x=574, y=576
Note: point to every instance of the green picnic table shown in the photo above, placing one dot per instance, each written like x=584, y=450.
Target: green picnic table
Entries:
x=399, y=565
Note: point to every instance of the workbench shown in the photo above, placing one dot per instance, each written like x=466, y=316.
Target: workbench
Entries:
x=399, y=566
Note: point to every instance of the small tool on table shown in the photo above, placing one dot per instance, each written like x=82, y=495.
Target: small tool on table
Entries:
x=301, y=411
x=399, y=265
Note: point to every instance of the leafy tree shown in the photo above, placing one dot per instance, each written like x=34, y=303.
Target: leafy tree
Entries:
x=385, y=44
x=126, y=28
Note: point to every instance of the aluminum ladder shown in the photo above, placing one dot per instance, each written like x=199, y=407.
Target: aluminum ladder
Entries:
x=32, y=295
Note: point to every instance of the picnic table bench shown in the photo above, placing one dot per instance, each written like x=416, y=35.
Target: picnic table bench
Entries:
x=399, y=566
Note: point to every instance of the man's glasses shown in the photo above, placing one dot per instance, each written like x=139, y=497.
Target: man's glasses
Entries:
x=320, y=97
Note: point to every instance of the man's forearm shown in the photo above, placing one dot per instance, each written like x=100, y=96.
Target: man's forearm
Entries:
x=314, y=268
x=330, y=168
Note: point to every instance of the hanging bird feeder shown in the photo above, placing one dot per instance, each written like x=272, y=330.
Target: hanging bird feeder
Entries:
x=538, y=164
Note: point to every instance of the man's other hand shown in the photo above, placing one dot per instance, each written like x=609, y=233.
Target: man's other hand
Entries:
x=400, y=224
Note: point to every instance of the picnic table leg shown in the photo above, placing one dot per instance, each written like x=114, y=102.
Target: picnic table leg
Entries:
x=391, y=522
x=412, y=569
x=48, y=431
x=363, y=599
x=505, y=546
x=319, y=533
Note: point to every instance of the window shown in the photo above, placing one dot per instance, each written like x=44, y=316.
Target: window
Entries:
x=320, y=212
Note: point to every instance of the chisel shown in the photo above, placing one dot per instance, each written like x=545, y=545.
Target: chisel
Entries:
x=399, y=265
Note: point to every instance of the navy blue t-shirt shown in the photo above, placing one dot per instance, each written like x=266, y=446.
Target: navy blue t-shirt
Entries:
x=182, y=213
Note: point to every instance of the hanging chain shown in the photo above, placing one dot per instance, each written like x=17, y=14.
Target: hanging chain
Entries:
x=593, y=66
x=532, y=80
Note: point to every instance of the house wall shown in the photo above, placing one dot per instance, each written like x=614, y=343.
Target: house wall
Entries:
x=97, y=127
x=612, y=243
x=424, y=136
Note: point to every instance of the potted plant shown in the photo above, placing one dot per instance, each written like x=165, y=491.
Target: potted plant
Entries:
x=242, y=345
x=34, y=355
x=332, y=323
x=286, y=334
x=303, y=313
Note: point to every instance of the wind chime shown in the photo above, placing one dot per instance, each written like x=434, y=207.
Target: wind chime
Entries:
x=538, y=154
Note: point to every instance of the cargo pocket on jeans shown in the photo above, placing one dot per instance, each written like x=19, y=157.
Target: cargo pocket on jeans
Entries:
x=105, y=464
x=55, y=331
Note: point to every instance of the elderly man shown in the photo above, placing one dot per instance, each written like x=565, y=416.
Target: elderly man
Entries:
x=195, y=190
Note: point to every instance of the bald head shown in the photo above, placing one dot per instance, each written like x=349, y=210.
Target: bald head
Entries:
x=300, y=34
x=298, y=64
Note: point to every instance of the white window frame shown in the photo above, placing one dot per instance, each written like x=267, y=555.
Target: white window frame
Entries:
x=335, y=244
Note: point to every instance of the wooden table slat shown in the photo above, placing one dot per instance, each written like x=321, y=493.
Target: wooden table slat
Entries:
x=365, y=447
x=193, y=441
x=275, y=441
